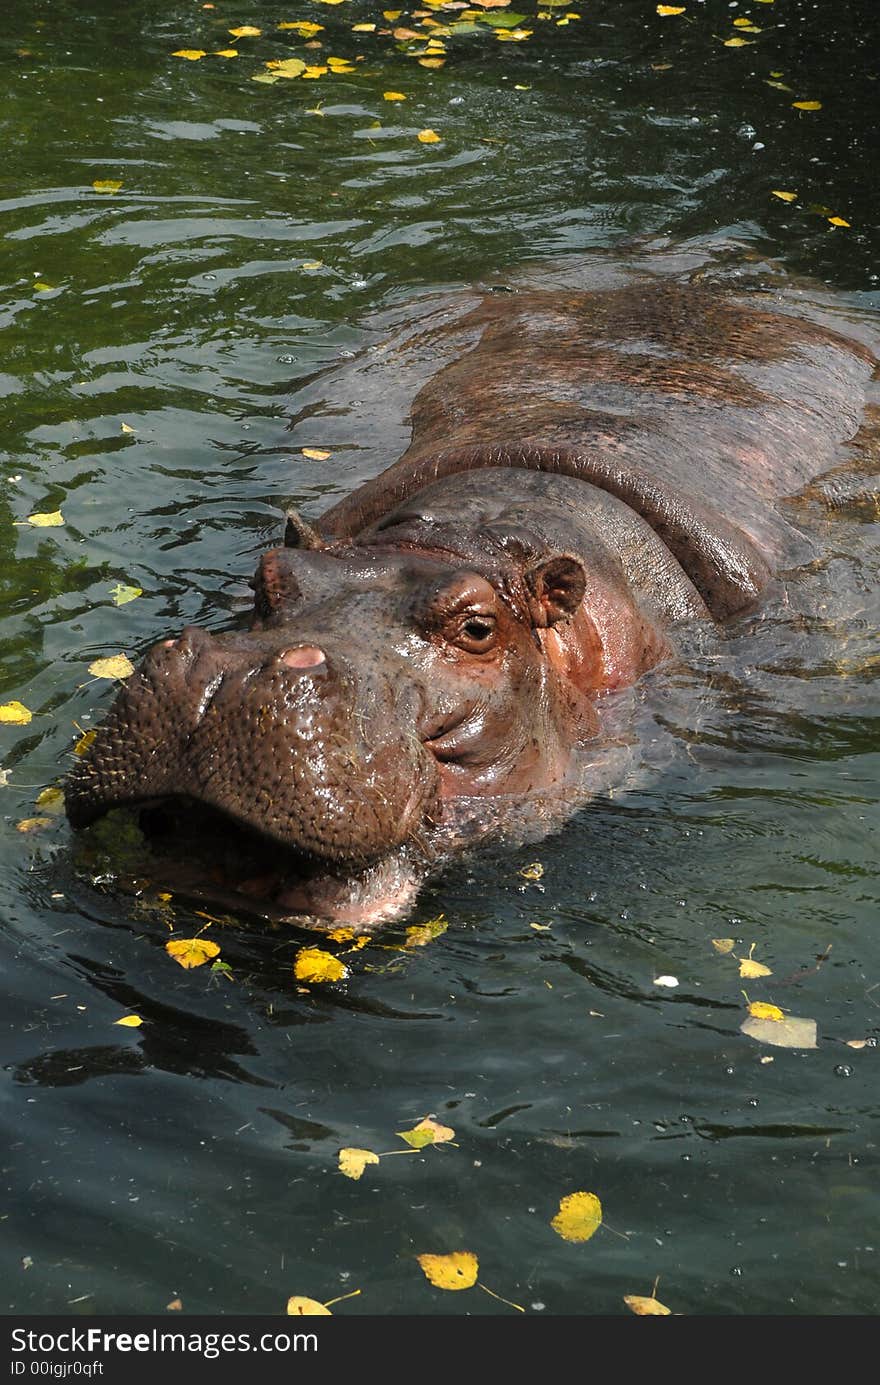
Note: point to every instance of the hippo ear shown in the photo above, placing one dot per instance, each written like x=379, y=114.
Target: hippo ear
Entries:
x=555, y=589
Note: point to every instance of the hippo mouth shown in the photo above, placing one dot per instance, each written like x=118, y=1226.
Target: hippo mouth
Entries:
x=200, y=854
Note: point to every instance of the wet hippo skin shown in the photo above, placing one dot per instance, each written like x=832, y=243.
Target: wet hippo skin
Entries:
x=431, y=660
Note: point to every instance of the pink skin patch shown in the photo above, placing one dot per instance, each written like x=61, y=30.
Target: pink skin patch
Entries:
x=308, y=656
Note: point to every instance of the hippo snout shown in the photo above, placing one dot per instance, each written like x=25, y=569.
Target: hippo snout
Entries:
x=306, y=745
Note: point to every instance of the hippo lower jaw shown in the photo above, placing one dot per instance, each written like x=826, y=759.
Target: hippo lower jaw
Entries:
x=203, y=855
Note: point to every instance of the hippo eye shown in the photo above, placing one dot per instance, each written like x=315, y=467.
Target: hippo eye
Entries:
x=475, y=633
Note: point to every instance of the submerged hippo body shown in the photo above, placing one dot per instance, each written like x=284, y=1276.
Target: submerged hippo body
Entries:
x=432, y=659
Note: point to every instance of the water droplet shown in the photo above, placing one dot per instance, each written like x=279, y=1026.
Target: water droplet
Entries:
x=843, y=1070
x=538, y=1307
x=736, y=1271
x=286, y=360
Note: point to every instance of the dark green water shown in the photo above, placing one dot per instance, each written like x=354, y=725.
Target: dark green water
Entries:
x=196, y=1156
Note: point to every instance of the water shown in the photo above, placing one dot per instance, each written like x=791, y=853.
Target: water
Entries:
x=196, y=1156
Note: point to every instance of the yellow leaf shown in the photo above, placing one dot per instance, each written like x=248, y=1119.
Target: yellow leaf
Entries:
x=245, y=31
x=429, y=137
x=427, y=1132
x=646, y=1307
x=533, y=872
x=286, y=67
x=225, y=52
x=32, y=824
x=312, y=964
x=391, y=14
x=191, y=54
x=122, y=594
x=579, y=1216
x=749, y=968
x=316, y=454
x=107, y=184
x=723, y=944
x=838, y=221
x=749, y=28
x=313, y=264
x=315, y=72
x=856, y=1043
x=268, y=77
x=780, y=86
x=742, y=23
x=784, y=196
x=84, y=742
x=363, y=28
x=307, y=1307
x=126, y=428
x=46, y=521
x=456, y=1271
x=670, y=9
x=305, y=27
x=807, y=105
x=761, y=1010
x=431, y=62
x=51, y=800
x=118, y=666
x=191, y=952
x=352, y=1162
x=41, y=287
x=513, y=35
x=16, y=713
x=420, y=934
x=737, y=43
x=130, y=1021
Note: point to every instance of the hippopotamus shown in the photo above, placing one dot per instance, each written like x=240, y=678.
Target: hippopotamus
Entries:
x=435, y=660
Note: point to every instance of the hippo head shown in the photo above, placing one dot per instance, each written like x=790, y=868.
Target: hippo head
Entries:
x=378, y=682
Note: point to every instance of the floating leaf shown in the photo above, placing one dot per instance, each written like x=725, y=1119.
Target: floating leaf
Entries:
x=760, y=1010
x=267, y=77
x=646, y=1307
x=32, y=824
x=363, y=28
x=313, y=264
x=191, y=54
x=514, y=35
x=665, y=10
x=126, y=428
x=85, y=740
x=427, y=1132
x=41, y=287
x=352, y=1162
x=52, y=520
x=316, y=454
x=226, y=53
x=245, y=31
x=420, y=934
x=121, y=594
x=16, y=713
x=785, y=1032
x=431, y=62
x=724, y=944
x=107, y=184
x=117, y=666
x=533, y=872
x=304, y=27
x=737, y=43
x=807, y=105
x=314, y=72
x=456, y=1271
x=307, y=1307
x=4, y=778
x=51, y=800
x=393, y=96
x=780, y=86
x=192, y=952
x=579, y=1217
x=429, y=137
x=130, y=1021
x=838, y=221
x=856, y=1043
x=750, y=969
x=784, y=196
x=313, y=964
x=176, y=1304
x=286, y=67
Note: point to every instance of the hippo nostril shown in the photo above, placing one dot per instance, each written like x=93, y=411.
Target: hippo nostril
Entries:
x=306, y=656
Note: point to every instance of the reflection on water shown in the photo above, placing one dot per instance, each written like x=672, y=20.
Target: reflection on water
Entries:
x=196, y=1155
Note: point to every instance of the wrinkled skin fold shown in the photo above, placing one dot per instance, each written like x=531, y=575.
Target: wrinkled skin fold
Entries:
x=590, y=472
